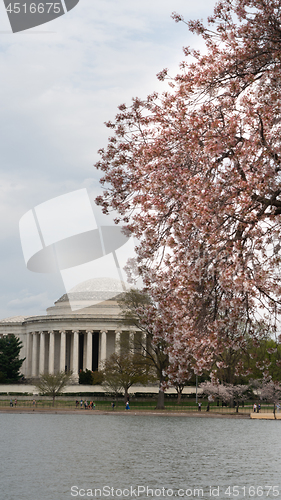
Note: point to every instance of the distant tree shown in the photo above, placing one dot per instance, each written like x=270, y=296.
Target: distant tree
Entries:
x=52, y=384
x=85, y=377
x=111, y=382
x=228, y=393
x=264, y=358
x=89, y=377
x=270, y=391
x=10, y=363
x=97, y=377
x=179, y=378
x=123, y=370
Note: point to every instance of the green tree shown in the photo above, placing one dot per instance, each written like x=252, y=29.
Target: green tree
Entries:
x=89, y=377
x=264, y=359
x=10, y=362
x=123, y=370
x=85, y=377
x=52, y=384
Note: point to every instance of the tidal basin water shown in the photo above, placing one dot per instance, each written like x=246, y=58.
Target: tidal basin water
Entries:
x=62, y=457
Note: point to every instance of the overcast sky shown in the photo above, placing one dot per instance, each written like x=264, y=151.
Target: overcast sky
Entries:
x=59, y=83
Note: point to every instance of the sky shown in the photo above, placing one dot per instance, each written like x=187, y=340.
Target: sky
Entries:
x=60, y=82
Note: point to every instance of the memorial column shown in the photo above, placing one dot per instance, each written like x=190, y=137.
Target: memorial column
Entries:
x=132, y=341
x=143, y=344
x=75, y=354
x=103, y=334
x=89, y=362
x=28, y=360
x=52, y=353
x=117, y=342
x=42, y=353
x=34, y=354
x=62, y=351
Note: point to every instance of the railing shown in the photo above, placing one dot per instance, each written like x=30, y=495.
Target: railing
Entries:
x=145, y=406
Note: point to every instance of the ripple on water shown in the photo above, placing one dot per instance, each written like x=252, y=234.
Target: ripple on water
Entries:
x=44, y=455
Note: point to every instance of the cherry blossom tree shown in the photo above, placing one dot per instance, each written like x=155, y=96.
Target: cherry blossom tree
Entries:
x=228, y=393
x=270, y=391
x=194, y=174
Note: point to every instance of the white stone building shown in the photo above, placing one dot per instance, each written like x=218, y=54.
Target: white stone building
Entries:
x=74, y=339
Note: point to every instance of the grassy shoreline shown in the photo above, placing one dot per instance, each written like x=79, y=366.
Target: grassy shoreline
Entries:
x=132, y=412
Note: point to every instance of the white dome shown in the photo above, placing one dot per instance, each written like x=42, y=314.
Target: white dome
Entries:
x=100, y=285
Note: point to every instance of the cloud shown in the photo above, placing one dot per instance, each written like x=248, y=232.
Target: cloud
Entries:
x=30, y=304
x=59, y=83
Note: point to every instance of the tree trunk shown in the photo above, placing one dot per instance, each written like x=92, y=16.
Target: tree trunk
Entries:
x=160, y=401
x=126, y=395
x=179, y=397
x=274, y=411
x=54, y=400
x=237, y=407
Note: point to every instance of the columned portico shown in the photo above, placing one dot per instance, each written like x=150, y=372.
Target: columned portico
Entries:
x=68, y=339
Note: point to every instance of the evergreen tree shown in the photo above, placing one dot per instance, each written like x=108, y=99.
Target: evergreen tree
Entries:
x=10, y=363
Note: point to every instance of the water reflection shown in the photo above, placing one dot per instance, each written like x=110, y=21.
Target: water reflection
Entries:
x=44, y=455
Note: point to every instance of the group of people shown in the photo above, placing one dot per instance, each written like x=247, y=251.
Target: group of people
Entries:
x=13, y=403
x=88, y=406
x=91, y=405
x=256, y=408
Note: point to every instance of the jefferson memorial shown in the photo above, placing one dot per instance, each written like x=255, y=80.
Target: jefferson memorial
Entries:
x=79, y=332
